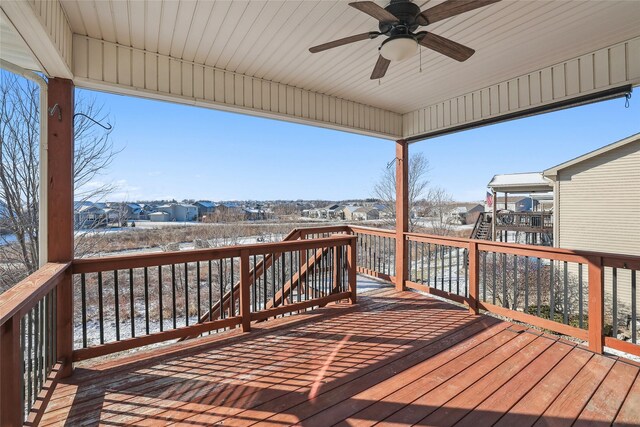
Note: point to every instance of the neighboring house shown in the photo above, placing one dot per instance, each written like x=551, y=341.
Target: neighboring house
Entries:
x=205, y=208
x=254, y=214
x=346, y=212
x=94, y=216
x=127, y=211
x=593, y=211
x=159, y=217
x=597, y=206
x=457, y=215
x=180, y=212
x=516, y=204
x=365, y=213
x=230, y=208
x=89, y=216
x=331, y=211
x=77, y=205
x=183, y=212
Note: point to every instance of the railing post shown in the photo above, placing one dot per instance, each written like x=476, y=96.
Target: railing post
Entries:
x=10, y=373
x=351, y=259
x=245, y=303
x=402, y=211
x=337, y=267
x=474, y=277
x=60, y=209
x=596, y=305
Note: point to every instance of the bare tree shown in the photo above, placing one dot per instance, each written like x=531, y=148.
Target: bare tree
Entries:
x=436, y=205
x=20, y=165
x=419, y=191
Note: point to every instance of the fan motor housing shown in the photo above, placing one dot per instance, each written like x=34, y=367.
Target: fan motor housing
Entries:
x=406, y=12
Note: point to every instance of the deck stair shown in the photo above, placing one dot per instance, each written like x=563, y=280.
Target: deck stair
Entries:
x=482, y=228
x=281, y=297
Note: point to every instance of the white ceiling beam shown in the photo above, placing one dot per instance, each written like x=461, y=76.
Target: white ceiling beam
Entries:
x=44, y=27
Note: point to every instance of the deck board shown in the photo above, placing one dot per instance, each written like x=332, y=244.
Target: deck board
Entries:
x=396, y=358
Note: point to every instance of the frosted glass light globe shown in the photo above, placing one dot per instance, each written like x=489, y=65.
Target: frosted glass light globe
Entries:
x=399, y=48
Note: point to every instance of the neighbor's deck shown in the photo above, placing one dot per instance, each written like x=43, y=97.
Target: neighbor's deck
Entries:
x=401, y=358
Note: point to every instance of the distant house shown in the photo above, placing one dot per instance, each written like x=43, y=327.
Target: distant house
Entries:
x=77, y=205
x=180, y=212
x=87, y=216
x=229, y=208
x=205, y=208
x=365, y=213
x=457, y=215
x=516, y=203
x=330, y=211
x=159, y=216
x=90, y=216
x=346, y=212
x=254, y=214
x=126, y=211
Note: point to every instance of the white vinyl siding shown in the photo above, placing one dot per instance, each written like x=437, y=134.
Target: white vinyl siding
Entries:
x=598, y=208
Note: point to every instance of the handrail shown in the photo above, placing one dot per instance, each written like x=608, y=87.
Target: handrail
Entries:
x=30, y=335
x=25, y=295
x=539, y=249
x=593, y=280
x=122, y=262
x=243, y=316
x=372, y=230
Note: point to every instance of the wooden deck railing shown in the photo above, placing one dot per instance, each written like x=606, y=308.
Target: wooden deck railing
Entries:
x=127, y=302
x=533, y=222
x=376, y=252
x=587, y=295
x=28, y=344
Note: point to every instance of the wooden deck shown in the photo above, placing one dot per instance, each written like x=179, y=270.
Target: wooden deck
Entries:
x=395, y=359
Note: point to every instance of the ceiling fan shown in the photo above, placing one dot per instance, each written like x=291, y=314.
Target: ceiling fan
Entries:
x=399, y=21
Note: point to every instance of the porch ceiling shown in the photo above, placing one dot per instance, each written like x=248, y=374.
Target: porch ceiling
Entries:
x=254, y=44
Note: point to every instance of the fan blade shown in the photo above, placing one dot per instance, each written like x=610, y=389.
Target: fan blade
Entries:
x=343, y=41
x=451, y=8
x=380, y=68
x=447, y=47
x=372, y=9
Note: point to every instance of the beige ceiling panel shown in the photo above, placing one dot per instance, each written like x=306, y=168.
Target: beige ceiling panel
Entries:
x=158, y=76
x=600, y=70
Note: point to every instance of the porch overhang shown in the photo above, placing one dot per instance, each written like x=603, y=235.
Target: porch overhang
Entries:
x=520, y=183
x=252, y=57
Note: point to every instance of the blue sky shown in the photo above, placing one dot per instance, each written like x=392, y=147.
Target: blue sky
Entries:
x=184, y=152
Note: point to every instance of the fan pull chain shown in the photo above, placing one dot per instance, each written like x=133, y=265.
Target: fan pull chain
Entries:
x=420, y=60
x=627, y=98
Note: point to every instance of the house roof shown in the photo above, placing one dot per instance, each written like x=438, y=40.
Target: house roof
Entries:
x=253, y=57
x=206, y=204
x=352, y=208
x=551, y=173
x=530, y=182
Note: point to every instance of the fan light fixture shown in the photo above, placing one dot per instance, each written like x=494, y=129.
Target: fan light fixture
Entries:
x=399, y=48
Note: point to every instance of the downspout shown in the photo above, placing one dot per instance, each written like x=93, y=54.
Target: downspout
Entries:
x=43, y=231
